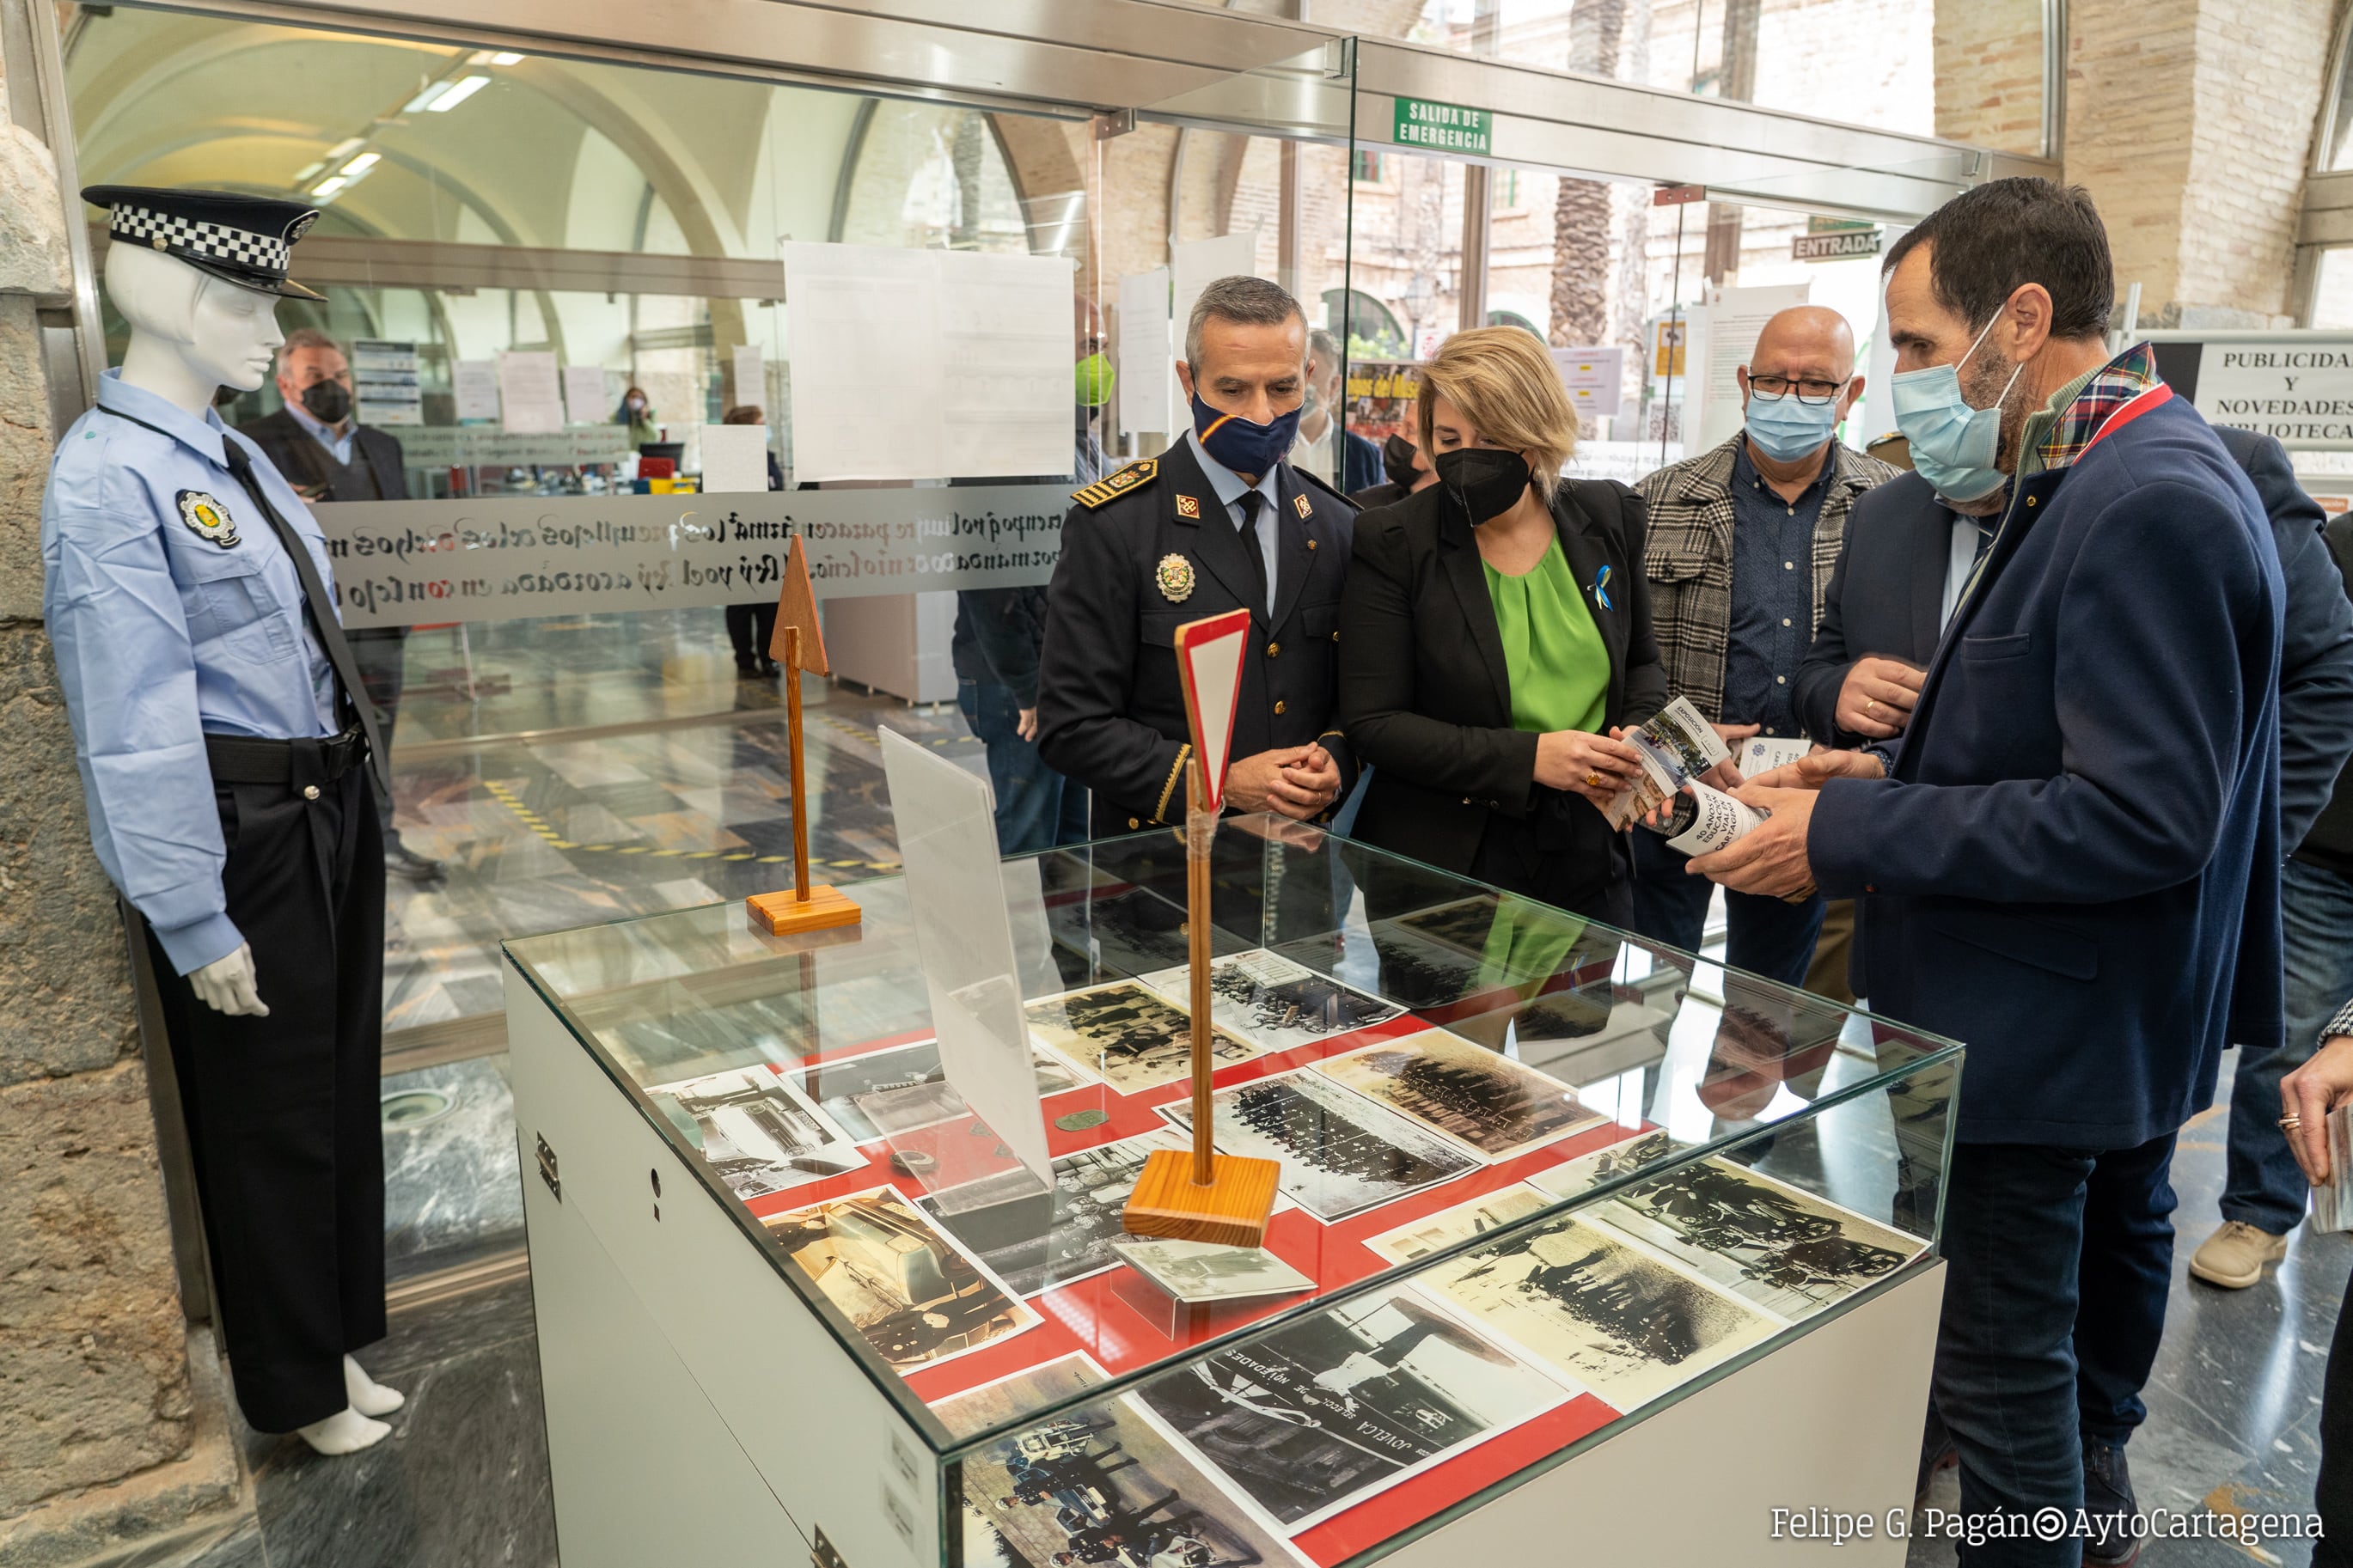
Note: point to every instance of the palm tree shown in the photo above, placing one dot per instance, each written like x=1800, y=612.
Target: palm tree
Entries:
x=1598, y=235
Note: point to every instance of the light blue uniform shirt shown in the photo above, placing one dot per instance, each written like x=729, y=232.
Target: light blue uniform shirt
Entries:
x=1229, y=486
x=339, y=446
x=162, y=636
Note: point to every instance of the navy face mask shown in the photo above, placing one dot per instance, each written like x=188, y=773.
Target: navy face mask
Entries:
x=1242, y=446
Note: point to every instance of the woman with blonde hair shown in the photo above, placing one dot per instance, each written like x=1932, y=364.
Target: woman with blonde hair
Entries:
x=1495, y=640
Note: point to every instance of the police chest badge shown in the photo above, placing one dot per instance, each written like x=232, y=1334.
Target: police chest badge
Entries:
x=1175, y=576
x=207, y=519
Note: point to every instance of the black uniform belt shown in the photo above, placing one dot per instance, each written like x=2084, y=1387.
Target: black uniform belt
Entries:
x=246, y=758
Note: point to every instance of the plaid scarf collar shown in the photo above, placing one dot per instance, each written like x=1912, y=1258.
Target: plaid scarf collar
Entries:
x=2107, y=389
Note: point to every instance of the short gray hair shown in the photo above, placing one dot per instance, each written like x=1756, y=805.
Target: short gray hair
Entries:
x=1322, y=342
x=306, y=338
x=1250, y=302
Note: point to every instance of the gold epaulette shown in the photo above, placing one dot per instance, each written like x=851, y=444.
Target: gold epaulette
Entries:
x=1137, y=474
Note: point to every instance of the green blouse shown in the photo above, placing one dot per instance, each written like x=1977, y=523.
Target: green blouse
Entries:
x=1553, y=653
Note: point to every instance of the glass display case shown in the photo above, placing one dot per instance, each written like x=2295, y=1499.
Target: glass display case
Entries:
x=1567, y=1221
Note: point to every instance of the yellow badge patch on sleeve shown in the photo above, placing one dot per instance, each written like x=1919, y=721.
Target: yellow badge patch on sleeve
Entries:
x=1111, y=486
x=207, y=519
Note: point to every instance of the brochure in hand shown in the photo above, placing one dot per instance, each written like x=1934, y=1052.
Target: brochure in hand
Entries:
x=1677, y=746
x=2332, y=1200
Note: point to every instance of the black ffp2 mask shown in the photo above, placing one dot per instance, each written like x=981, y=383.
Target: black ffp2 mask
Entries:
x=1487, y=480
x=328, y=401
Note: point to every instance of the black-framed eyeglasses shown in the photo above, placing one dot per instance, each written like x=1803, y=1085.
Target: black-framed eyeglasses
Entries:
x=1774, y=387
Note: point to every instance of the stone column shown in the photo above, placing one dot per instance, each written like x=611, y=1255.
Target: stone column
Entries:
x=113, y=1421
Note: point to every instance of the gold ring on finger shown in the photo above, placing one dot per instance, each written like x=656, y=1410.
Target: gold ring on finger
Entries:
x=2291, y=1121
x=1593, y=778
x=1870, y=704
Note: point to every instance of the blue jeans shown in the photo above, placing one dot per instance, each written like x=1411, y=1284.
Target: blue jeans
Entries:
x=1036, y=808
x=2263, y=1186
x=1766, y=936
x=2057, y=1266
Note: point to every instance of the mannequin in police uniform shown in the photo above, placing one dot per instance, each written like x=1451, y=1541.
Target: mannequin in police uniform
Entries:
x=225, y=767
x=1221, y=520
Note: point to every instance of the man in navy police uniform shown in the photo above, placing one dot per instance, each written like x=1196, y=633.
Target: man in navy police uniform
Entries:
x=1219, y=521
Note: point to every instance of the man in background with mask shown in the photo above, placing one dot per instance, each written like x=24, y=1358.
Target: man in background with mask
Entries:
x=327, y=455
x=1408, y=471
x=2071, y=857
x=1742, y=541
x=1221, y=520
x=1325, y=445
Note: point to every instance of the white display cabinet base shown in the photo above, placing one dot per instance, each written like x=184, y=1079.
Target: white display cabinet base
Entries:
x=698, y=1410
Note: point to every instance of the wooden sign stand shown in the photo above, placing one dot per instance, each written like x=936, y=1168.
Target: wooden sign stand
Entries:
x=799, y=643
x=1203, y=1195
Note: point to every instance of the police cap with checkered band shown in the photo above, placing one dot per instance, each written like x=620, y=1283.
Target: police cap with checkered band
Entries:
x=245, y=240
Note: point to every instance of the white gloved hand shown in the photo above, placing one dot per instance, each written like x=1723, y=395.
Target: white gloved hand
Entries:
x=225, y=985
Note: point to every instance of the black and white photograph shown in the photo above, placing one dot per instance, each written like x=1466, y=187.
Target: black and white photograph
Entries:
x=1311, y=1418
x=1035, y=1240
x=914, y=1296
x=1599, y=1309
x=1422, y=974
x=1786, y=1250
x=1103, y=1483
x=1341, y=1154
x=1481, y=1098
x=1462, y=925
x=1475, y=1216
x=903, y=1075
x=1194, y=1272
x=1024, y=1393
x=1124, y=1033
x=1273, y=1002
x=756, y=1131
x=1589, y=1170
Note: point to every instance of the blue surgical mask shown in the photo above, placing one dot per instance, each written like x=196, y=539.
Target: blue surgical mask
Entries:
x=1242, y=446
x=1954, y=444
x=1786, y=429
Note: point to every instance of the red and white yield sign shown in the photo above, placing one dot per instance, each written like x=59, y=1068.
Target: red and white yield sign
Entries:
x=1209, y=662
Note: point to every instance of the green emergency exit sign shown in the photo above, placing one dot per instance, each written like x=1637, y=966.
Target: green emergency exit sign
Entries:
x=1441, y=127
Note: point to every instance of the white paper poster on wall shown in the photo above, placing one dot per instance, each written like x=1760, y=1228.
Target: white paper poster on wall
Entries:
x=529, y=394
x=475, y=385
x=751, y=367
x=1734, y=317
x=1195, y=264
x=1148, y=376
x=735, y=458
x=583, y=394
x=916, y=364
x=1595, y=377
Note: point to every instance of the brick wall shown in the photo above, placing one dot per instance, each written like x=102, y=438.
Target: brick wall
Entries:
x=1988, y=71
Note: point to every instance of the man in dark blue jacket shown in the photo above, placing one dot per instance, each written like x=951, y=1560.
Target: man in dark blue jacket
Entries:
x=2072, y=862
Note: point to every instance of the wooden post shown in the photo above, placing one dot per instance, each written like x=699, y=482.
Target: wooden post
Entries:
x=793, y=723
x=1206, y=1197
x=1200, y=829
x=799, y=644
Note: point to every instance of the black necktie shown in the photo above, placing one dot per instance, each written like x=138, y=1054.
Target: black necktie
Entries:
x=1985, y=542
x=1252, y=500
x=318, y=609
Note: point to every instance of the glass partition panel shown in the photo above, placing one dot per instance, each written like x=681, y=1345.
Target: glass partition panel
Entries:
x=1970, y=73
x=1548, y=1171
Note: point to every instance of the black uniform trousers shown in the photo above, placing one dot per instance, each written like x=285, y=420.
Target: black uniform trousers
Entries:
x=282, y=1112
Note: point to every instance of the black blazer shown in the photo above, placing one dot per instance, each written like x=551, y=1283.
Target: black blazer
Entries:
x=308, y=467
x=1885, y=598
x=1138, y=561
x=1424, y=694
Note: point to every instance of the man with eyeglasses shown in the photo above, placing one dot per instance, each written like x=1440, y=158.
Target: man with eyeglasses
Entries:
x=1743, y=539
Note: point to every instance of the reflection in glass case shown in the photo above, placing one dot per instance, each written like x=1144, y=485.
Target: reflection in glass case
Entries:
x=1541, y=1181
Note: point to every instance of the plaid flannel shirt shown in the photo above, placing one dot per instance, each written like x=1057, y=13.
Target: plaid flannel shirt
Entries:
x=1689, y=558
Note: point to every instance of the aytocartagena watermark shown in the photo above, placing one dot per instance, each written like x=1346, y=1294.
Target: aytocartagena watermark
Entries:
x=1838, y=1526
